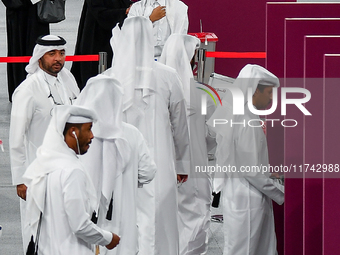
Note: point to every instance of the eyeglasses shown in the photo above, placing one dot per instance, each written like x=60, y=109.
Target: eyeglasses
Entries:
x=50, y=95
x=56, y=103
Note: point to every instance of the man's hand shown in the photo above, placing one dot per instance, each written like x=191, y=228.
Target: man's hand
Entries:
x=275, y=175
x=157, y=13
x=21, y=191
x=114, y=242
x=181, y=178
x=128, y=9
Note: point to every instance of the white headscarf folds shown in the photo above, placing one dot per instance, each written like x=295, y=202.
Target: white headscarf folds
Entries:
x=177, y=53
x=104, y=95
x=134, y=60
x=44, y=44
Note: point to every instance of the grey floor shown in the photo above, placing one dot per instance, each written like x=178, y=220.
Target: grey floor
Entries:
x=10, y=241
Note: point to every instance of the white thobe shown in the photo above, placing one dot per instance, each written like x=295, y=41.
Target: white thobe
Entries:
x=30, y=116
x=162, y=28
x=140, y=170
x=161, y=118
x=247, y=199
x=195, y=196
x=66, y=227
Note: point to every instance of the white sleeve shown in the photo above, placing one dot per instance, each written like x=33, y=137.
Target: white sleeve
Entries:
x=268, y=187
x=23, y=108
x=76, y=207
x=181, y=18
x=210, y=135
x=135, y=10
x=146, y=165
x=248, y=154
x=178, y=119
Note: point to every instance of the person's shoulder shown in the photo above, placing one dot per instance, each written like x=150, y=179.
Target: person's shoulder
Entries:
x=130, y=130
x=65, y=72
x=27, y=85
x=69, y=80
x=138, y=3
x=71, y=174
x=182, y=4
x=132, y=135
x=167, y=75
x=135, y=9
x=30, y=80
x=160, y=67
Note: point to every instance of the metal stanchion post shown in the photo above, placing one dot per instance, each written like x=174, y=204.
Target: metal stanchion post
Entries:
x=200, y=64
x=102, y=62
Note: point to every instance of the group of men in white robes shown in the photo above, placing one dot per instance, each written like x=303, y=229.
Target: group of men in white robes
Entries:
x=138, y=180
x=47, y=85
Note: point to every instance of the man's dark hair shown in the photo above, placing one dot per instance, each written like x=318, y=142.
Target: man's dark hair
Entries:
x=69, y=125
x=261, y=87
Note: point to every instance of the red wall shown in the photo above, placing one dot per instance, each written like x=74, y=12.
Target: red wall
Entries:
x=239, y=25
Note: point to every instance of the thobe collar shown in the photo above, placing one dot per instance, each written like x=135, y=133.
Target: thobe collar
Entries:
x=55, y=88
x=72, y=152
x=156, y=3
x=252, y=115
x=50, y=78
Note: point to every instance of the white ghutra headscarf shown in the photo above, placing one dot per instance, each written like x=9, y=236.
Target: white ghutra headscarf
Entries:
x=44, y=45
x=177, y=53
x=110, y=152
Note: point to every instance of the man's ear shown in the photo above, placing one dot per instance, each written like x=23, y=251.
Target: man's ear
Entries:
x=73, y=132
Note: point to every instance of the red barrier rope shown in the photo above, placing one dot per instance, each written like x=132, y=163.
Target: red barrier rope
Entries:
x=14, y=59
x=209, y=54
x=68, y=58
x=82, y=58
x=212, y=54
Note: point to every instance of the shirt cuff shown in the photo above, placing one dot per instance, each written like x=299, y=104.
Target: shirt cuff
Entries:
x=107, y=238
x=17, y=175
